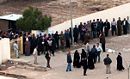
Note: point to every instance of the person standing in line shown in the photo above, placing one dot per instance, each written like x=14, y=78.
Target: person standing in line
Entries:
x=107, y=27
x=75, y=34
x=80, y=30
x=69, y=61
x=119, y=27
x=56, y=37
x=113, y=27
x=16, y=49
x=99, y=49
x=33, y=43
x=128, y=20
x=35, y=53
x=101, y=25
x=93, y=27
x=89, y=29
x=125, y=26
x=67, y=38
x=119, y=62
x=27, y=47
x=98, y=27
x=62, y=41
x=107, y=62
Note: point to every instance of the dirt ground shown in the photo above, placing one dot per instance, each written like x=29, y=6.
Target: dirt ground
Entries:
x=60, y=10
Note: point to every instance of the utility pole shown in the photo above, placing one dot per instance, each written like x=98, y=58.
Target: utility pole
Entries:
x=71, y=22
x=128, y=72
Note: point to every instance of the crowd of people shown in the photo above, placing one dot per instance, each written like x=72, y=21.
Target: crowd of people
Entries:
x=49, y=43
x=88, y=58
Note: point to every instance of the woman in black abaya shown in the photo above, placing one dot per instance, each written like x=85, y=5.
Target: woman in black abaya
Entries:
x=91, y=61
x=76, y=62
x=119, y=62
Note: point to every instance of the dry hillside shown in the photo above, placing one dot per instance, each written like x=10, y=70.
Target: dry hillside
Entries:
x=59, y=9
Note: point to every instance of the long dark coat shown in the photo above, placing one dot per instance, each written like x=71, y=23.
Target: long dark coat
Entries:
x=84, y=59
x=119, y=27
x=33, y=44
x=119, y=63
x=76, y=62
x=76, y=34
x=125, y=26
x=91, y=61
x=107, y=27
x=27, y=48
x=102, y=41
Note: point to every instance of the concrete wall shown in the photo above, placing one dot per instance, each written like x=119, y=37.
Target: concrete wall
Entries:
x=120, y=11
x=4, y=50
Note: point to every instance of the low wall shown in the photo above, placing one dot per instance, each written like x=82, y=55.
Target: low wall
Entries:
x=4, y=50
x=119, y=11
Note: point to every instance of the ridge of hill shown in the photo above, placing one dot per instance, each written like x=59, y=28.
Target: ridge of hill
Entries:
x=59, y=9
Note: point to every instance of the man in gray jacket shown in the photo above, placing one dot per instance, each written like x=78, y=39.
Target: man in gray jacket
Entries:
x=16, y=49
x=107, y=62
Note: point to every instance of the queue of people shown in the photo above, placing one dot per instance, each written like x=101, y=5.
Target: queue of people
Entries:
x=81, y=33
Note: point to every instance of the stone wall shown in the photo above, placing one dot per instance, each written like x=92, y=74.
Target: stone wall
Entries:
x=4, y=25
x=2, y=1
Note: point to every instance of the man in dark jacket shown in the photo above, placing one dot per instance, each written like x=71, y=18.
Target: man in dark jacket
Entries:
x=94, y=53
x=69, y=61
x=107, y=62
x=76, y=34
x=67, y=38
x=98, y=27
x=56, y=37
x=94, y=29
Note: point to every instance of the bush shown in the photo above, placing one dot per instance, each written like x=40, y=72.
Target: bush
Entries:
x=33, y=20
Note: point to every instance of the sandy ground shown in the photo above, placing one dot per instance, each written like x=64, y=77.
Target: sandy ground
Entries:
x=58, y=64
